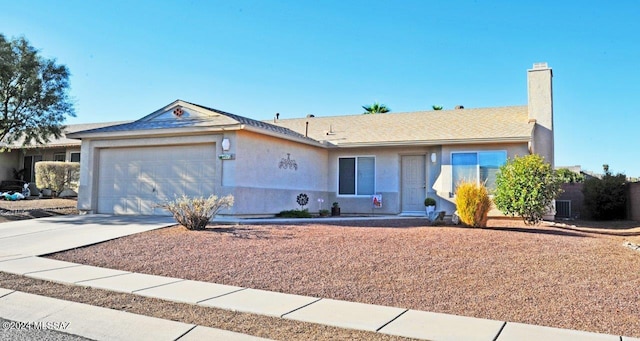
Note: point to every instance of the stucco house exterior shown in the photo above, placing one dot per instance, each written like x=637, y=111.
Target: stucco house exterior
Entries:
x=400, y=158
x=19, y=158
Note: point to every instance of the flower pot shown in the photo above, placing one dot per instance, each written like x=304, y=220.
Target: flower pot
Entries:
x=335, y=211
x=430, y=209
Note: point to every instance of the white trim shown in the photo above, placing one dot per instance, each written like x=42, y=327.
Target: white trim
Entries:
x=356, y=177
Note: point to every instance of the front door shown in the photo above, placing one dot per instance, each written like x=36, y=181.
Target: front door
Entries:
x=413, y=183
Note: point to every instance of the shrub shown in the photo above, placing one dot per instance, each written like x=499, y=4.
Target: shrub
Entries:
x=294, y=214
x=57, y=176
x=429, y=201
x=568, y=177
x=473, y=204
x=526, y=186
x=606, y=198
x=194, y=213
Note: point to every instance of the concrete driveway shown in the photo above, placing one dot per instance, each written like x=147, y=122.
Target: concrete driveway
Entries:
x=42, y=236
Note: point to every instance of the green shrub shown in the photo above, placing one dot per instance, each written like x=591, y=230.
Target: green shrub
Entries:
x=429, y=201
x=194, y=213
x=294, y=214
x=526, y=186
x=606, y=198
x=57, y=176
x=473, y=204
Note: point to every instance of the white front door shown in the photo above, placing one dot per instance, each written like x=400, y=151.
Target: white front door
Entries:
x=413, y=183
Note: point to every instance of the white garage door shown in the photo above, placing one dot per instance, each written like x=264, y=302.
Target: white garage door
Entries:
x=136, y=180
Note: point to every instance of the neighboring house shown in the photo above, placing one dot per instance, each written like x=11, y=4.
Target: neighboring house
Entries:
x=185, y=148
x=21, y=159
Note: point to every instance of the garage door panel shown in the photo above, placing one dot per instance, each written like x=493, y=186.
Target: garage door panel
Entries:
x=136, y=180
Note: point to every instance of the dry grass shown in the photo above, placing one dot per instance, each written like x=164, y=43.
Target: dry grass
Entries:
x=568, y=277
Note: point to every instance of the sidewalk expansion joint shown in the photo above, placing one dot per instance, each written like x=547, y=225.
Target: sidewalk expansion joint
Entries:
x=93, y=279
x=229, y=293
x=500, y=331
x=393, y=319
x=45, y=270
x=7, y=294
x=304, y=306
x=185, y=333
x=159, y=285
x=17, y=254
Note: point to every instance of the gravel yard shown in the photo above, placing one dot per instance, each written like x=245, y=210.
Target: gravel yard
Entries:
x=565, y=276
x=36, y=208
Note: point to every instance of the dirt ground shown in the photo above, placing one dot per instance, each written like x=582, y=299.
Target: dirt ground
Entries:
x=576, y=275
x=566, y=276
x=36, y=208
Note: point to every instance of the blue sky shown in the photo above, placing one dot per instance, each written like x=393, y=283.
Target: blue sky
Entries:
x=256, y=58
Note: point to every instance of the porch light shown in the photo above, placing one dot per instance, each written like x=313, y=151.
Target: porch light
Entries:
x=433, y=157
x=225, y=144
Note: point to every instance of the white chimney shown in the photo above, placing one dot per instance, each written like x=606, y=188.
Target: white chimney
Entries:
x=540, y=89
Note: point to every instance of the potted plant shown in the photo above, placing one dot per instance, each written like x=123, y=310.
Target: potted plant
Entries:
x=335, y=209
x=430, y=204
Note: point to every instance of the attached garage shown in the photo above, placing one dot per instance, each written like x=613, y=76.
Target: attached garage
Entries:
x=186, y=149
x=135, y=180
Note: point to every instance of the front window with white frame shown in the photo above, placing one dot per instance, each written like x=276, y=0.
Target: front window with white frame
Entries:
x=356, y=175
x=478, y=167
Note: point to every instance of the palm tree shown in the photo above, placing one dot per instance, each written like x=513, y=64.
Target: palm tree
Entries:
x=375, y=108
x=436, y=107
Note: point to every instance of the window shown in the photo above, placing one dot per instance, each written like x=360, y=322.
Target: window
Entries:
x=75, y=157
x=356, y=175
x=479, y=167
x=59, y=157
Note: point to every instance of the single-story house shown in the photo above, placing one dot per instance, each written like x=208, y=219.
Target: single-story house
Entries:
x=398, y=158
x=17, y=162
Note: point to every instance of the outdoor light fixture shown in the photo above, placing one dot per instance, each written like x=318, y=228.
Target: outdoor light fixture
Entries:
x=433, y=158
x=225, y=144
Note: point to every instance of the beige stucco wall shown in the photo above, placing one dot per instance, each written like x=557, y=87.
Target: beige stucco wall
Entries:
x=13, y=159
x=387, y=177
x=443, y=184
x=8, y=161
x=261, y=186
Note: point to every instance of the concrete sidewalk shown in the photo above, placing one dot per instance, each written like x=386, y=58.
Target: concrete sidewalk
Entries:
x=34, y=237
x=25, y=312
x=382, y=319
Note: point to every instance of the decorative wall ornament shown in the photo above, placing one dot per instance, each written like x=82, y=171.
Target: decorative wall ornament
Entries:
x=288, y=163
x=178, y=112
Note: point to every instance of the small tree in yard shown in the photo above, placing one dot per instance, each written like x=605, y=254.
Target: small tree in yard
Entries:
x=33, y=94
x=195, y=213
x=526, y=186
x=473, y=204
x=57, y=176
x=606, y=198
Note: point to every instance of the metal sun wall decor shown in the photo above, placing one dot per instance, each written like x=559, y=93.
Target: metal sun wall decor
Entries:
x=288, y=163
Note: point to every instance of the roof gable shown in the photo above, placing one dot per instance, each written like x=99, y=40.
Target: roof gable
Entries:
x=190, y=117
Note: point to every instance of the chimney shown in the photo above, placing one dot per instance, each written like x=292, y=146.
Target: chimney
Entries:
x=540, y=107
